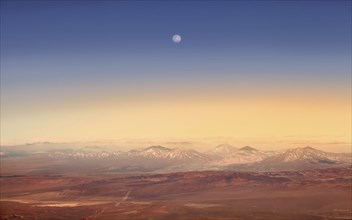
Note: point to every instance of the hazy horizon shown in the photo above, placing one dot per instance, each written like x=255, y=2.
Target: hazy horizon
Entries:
x=201, y=145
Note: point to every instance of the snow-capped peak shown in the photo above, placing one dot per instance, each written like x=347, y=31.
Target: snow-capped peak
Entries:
x=248, y=149
x=224, y=149
x=167, y=153
x=153, y=151
x=305, y=153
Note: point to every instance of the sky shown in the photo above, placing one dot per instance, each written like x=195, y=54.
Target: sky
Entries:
x=244, y=70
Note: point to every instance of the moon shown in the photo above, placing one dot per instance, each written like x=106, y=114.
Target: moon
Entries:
x=176, y=38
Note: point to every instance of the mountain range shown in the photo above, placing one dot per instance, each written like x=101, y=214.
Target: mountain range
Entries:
x=164, y=159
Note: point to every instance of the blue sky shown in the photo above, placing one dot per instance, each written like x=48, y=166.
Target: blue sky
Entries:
x=52, y=51
x=223, y=37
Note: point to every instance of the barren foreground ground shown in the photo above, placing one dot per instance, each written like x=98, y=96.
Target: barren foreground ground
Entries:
x=316, y=194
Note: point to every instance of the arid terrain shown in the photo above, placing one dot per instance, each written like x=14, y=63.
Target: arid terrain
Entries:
x=48, y=181
x=313, y=194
